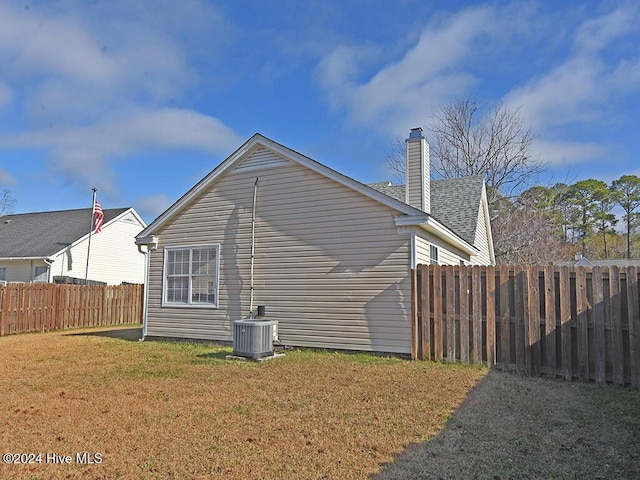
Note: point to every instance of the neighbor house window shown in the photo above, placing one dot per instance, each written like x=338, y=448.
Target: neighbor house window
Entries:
x=41, y=275
x=3, y=274
x=433, y=253
x=191, y=275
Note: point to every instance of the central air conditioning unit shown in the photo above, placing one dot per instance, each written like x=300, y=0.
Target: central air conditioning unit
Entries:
x=253, y=338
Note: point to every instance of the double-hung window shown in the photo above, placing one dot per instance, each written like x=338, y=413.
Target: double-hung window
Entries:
x=433, y=254
x=191, y=276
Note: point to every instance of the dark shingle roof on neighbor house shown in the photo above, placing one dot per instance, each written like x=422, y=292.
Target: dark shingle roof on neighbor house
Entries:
x=42, y=234
x=455, y=202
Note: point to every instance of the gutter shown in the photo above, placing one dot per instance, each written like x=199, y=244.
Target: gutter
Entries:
x=431, y=225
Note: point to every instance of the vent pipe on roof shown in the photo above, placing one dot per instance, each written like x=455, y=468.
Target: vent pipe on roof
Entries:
x=417, y=190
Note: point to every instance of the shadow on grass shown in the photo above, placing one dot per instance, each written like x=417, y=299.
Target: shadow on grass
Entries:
x=516, y=427
x=127, y=334
x=215, y=355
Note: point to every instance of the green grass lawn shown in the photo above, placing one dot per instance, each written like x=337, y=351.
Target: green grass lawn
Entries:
x=175, y=410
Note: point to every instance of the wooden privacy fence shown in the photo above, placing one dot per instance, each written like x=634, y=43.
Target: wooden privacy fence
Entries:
x=574, y=323
x=41, y=307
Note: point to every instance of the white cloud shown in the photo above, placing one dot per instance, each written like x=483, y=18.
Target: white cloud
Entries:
x=151, y=207
x=92, y=82
x=576, y=89
x=6, y=178
x=566, y=152
x=83, y=154
x=405, y=92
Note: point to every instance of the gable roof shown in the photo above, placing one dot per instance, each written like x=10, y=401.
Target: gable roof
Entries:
x=455, y=202
x=409, y=214
x=43, y=234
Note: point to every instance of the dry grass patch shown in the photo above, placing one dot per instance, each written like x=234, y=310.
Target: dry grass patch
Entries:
x=512, y=427
x=170, y=410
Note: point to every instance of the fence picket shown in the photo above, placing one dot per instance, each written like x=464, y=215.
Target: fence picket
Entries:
x=464, y=314
x=426, y=315
x=633, y=305
x=616, y=326
x=476, y=290
x=532, y=322
x=582, y=312
x=550, y=321
x=491, y=315
x=506, y=290
x=450, y=314
x=437, y=314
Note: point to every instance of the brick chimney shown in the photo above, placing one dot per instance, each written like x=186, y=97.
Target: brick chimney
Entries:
x=417, y=191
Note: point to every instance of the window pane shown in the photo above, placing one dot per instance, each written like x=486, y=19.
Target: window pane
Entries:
x=178, y=262
x=178, y=289
x=203, y=289
x=204, y=261
x=3, y=274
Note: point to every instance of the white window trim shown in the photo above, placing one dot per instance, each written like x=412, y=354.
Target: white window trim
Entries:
x=434, y=248
x=164, y=277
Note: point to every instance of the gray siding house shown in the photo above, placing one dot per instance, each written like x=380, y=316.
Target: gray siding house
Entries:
x=328, y=257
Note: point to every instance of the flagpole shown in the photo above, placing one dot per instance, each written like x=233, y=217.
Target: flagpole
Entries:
x=93, y=213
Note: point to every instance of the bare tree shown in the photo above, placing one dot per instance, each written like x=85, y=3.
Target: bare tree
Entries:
x=7, y=202
x=497, y=145
x=465, y=142
x=527, y=231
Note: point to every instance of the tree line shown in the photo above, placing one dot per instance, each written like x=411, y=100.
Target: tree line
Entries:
x=544, y=224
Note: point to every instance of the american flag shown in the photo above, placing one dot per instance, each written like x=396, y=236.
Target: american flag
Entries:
x=98, y=215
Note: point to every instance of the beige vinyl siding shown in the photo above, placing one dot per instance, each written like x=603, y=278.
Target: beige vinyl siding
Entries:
x=447, y=254
x=482, y=240
x=330, y=266
x=423, y=254
x=114, y=255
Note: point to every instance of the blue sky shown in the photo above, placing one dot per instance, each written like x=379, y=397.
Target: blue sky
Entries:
x=142, y=99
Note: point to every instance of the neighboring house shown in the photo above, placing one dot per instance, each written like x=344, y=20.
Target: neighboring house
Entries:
x=582, y=261
x=328, y=257
x=35, y=247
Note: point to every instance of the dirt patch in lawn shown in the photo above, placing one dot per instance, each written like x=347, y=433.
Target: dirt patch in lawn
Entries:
x=512, y=427
x=172, y=410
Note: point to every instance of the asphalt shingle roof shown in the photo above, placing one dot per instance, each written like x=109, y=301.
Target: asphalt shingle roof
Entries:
x=455, y=202
x=44, y=233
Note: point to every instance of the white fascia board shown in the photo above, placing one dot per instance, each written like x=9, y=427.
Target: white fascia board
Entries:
x=485, y=206
x=13, y=259
x=431, y=225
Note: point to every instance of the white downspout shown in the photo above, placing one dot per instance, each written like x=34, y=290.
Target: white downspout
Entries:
x=145, y=293
x=253, y=243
